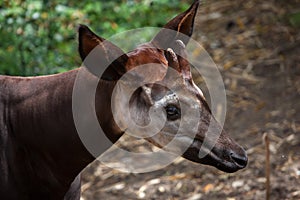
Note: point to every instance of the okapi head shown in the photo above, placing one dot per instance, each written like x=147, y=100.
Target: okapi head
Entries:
x=167, y=55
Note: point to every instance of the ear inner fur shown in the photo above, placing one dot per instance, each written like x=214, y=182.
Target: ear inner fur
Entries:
x=106, y=51
x=183, y=23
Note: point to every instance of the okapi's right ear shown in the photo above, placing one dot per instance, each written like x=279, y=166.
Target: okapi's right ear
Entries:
x=182, y=28
x=110, y=57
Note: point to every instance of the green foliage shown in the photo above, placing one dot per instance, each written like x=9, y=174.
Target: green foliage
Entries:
x=39, y=37
x=294, y=19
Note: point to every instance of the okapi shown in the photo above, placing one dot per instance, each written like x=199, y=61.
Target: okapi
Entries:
x=41, y=154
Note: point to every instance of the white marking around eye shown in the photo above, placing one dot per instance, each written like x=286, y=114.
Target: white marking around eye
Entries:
x=170, y=98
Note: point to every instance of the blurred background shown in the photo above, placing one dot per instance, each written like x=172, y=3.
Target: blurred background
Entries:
x=256, y=45
x=39, y=37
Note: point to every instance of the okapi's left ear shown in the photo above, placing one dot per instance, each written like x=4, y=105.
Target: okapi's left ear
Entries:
x=108, y=56
x=182, y=23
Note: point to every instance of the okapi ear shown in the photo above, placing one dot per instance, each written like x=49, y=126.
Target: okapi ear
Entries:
x=110, y=57
x=87, y=41
x=181, y=24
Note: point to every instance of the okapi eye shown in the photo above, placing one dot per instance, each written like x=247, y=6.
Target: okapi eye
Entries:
x=173, y=112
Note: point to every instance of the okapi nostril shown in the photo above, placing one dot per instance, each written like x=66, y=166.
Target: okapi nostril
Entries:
x=240, y=160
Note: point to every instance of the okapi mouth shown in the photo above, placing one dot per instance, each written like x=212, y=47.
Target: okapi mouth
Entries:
x=225, y=160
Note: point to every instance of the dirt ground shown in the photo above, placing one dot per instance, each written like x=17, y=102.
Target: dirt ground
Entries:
x=258, y=53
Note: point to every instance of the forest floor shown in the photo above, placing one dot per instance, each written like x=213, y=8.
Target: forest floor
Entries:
x=258, y=53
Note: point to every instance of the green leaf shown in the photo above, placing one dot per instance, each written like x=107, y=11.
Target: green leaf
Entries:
x=294, y=19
